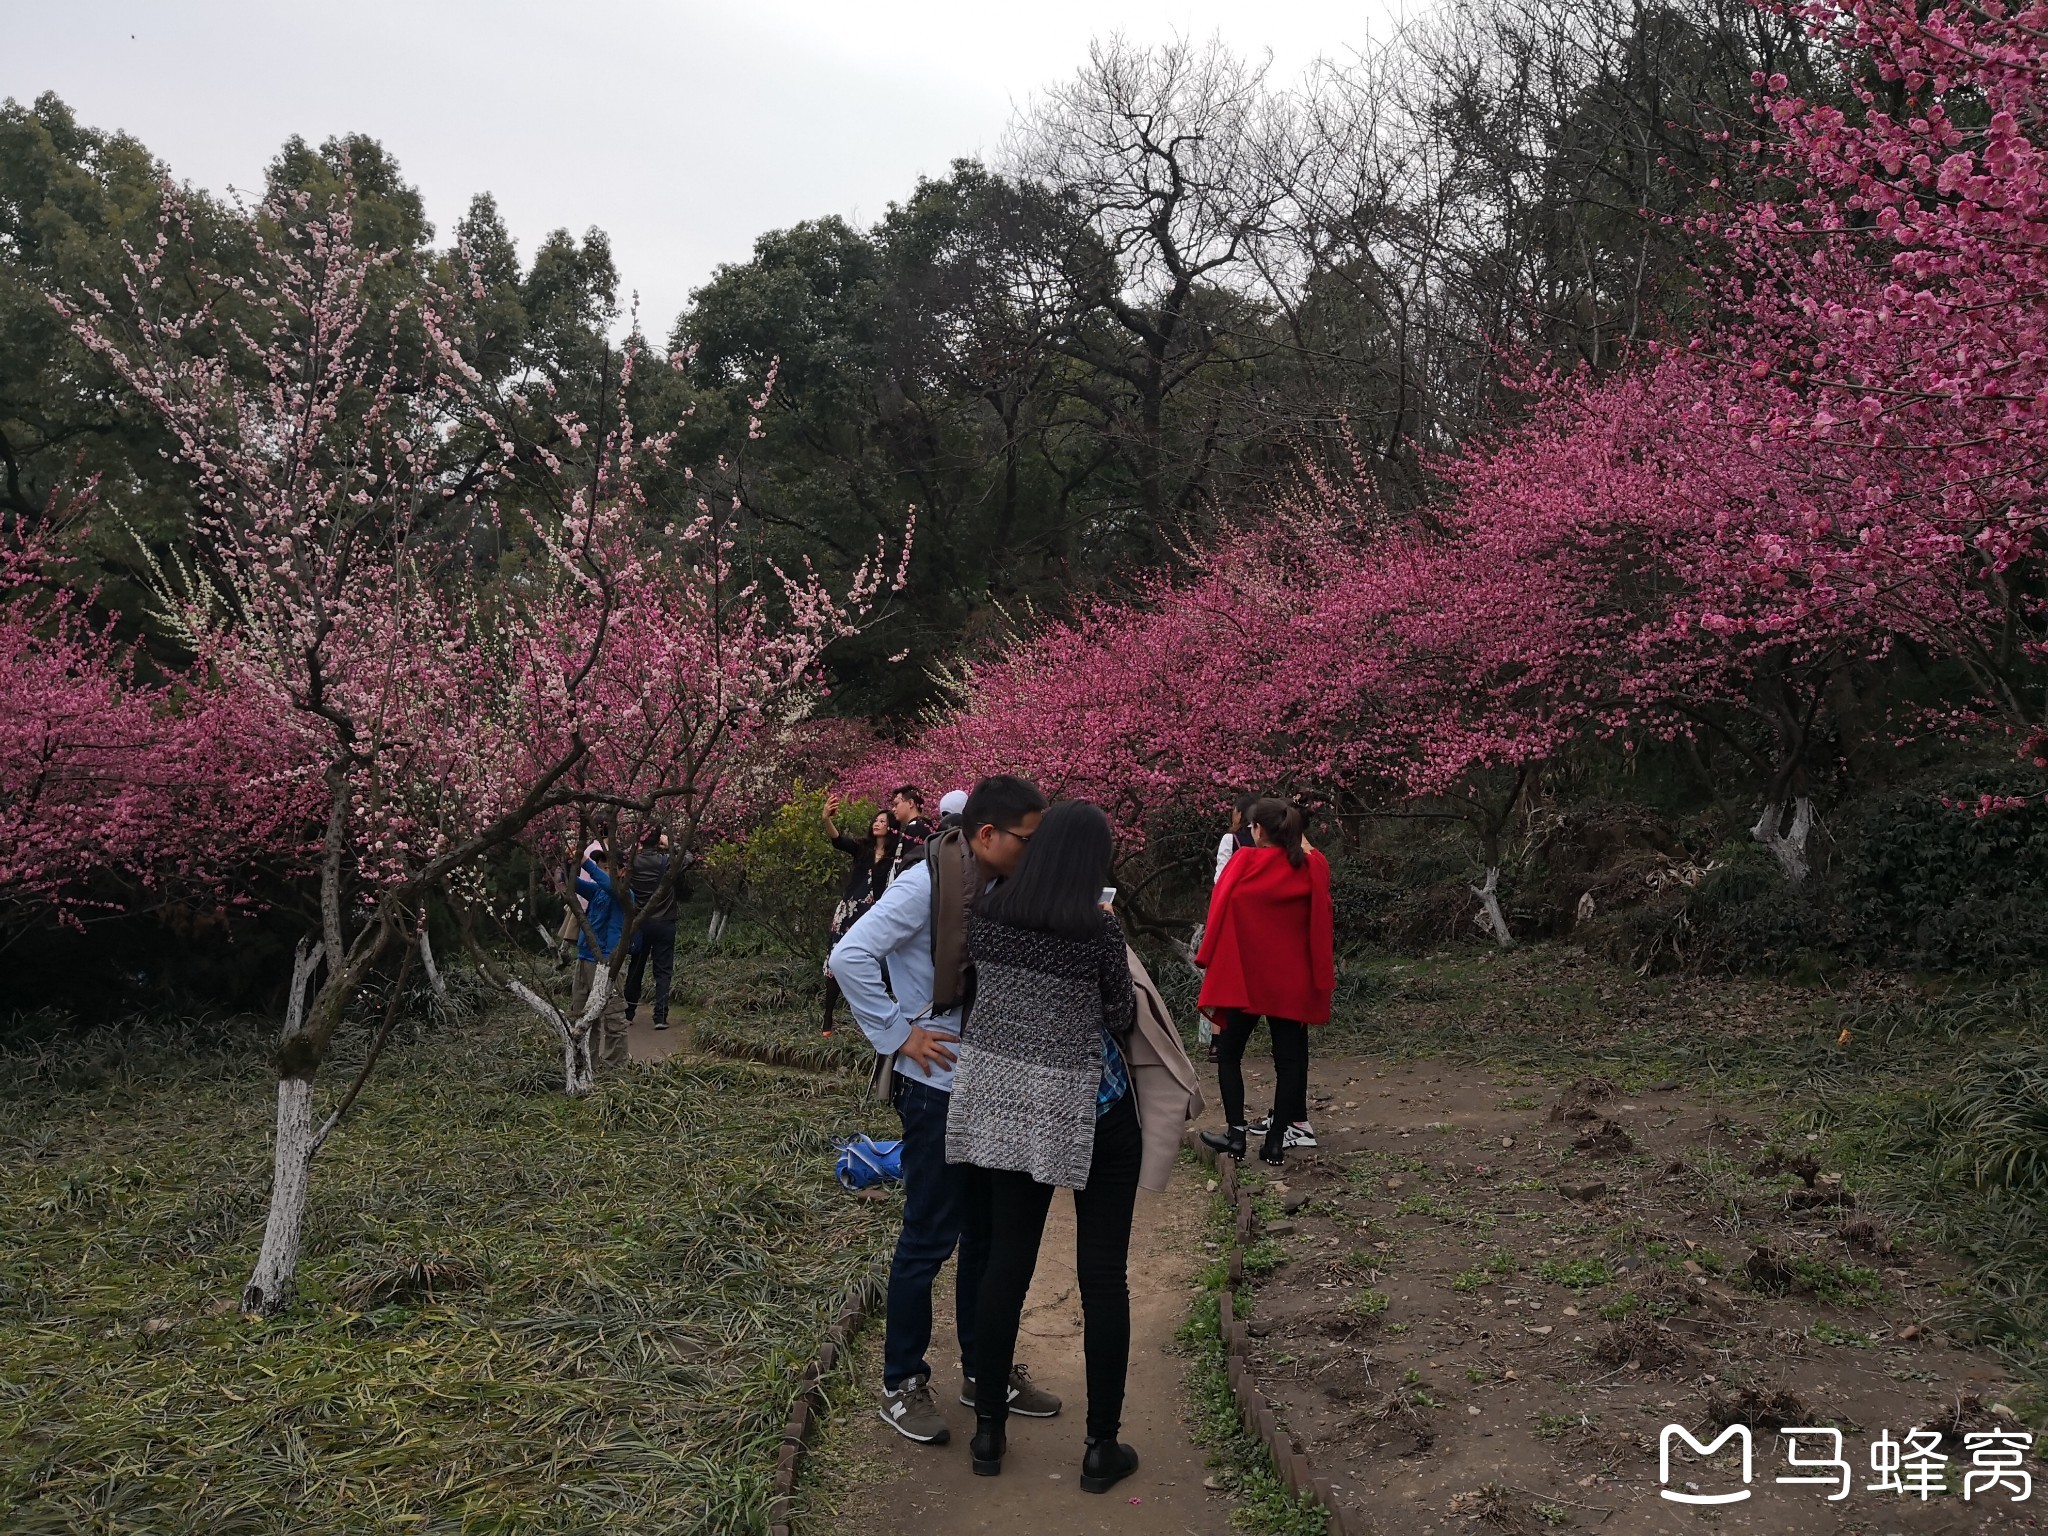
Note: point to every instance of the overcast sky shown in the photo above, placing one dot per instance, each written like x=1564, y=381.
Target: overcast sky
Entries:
x=683, y=129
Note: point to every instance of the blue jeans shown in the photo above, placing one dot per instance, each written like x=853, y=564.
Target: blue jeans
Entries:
x=943, y=1204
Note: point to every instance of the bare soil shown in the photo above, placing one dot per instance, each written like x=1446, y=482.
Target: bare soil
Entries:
x=1490, y=1293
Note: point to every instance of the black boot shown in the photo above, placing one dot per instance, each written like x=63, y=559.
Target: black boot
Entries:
x=1232, y=1141
x=1107, y=1463
x=1273, y=1150
x=987, y=1447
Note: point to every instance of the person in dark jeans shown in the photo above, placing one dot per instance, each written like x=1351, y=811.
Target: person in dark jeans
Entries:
x=656, y=898
x=1042, y=1100
x=944, y=1205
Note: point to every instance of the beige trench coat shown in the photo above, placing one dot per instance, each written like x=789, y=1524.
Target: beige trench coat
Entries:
x=1162, y=1078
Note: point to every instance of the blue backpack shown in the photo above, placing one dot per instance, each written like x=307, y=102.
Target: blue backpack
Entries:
x=865, y=1162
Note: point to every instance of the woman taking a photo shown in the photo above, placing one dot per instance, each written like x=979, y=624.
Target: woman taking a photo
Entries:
x=1042, y=1100
x=1267, y=952
x=873, y=857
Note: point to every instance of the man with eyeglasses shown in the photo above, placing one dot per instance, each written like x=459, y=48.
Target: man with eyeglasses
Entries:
x=918, y=930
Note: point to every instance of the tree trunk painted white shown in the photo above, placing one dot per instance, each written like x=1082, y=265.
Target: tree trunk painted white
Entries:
x=1788, y=846
x=1489, y=916
x=578, y=1065
x=433, y=971
x=274, y=1282
x=717, y=929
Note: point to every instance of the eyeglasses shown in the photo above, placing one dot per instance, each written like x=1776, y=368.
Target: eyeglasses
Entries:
x=1022, y=837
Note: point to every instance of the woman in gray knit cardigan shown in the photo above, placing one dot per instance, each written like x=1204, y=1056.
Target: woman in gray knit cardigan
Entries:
x=1042, y=1100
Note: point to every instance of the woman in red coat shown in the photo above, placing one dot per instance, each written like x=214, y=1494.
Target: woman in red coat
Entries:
x=1267, y=951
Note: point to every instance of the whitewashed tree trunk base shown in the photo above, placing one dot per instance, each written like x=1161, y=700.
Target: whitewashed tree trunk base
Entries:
x=274, y=1283
x=1788, y=846
x=434, y=979
x=579, y=1068
x=1489, y=918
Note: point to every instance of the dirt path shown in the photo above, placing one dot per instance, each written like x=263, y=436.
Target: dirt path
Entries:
x=1484, y=1295
x=869, y=1481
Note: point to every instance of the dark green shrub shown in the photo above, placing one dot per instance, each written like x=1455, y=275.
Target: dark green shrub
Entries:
x=1929, y=883
x=1746, y=916
x=1362, y=902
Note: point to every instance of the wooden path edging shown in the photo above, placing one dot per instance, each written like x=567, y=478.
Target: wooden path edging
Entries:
x=808, y=1413
x=1295, y=1471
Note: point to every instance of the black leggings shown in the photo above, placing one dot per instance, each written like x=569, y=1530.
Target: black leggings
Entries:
x=1102, y=1248
x=1290, y=1067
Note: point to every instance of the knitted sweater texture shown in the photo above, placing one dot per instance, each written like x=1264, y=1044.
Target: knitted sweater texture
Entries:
x=1031, y=1053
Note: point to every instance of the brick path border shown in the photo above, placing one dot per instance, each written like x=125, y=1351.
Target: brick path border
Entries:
x=1289, y=1461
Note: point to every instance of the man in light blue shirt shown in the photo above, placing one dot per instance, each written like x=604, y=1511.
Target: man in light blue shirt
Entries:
x=939, y=1208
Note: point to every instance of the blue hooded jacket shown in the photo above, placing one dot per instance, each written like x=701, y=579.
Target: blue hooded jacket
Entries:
x=607, y=913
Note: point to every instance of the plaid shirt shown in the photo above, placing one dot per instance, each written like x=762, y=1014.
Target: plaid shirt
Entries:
x=1116, y=1078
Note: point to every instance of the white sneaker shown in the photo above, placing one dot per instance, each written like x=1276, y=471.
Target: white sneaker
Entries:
x=1299, y=1134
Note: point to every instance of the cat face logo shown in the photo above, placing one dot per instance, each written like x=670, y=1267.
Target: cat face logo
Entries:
x=1738, y=1432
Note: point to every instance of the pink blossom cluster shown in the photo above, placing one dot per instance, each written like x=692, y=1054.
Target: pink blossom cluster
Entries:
x=1847, y=459
x=360, y=639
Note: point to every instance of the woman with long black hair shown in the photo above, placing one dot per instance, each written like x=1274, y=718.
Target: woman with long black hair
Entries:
x=1042, y=1100
x=873, y=856
x=1268, y=952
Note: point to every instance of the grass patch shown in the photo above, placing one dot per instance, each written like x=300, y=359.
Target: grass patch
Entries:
x=1368, y=1304
x=1498, y=1266
x=520, y=1312
x=1576, y=1274
x=1264, y=1506
x=1263, y=1257
x=1839, y=1283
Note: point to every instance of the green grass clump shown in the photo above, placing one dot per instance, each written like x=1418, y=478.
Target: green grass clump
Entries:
x=1576, y=1274
x=519, y=1312
x=1368, y=1304
x=1840, y=1283
x=1263, y=1257
x=1498, y=1266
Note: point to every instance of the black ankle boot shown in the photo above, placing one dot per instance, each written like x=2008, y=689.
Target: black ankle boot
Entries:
x=987, y=1447
x=1107, y=1463
x=1232, y=1141
x=1273, y=1151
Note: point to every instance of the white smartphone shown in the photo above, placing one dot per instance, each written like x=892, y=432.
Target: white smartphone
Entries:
x=1109, y=895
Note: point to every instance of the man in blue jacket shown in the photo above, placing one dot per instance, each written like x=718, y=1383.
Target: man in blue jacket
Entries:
x=604, y=921
x=939, y=1207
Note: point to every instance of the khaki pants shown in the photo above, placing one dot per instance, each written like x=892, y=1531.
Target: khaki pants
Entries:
x=608, y=1033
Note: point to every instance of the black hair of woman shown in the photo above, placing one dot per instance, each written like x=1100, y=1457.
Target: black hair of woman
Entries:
x=1283, y=825
x=1058, y=887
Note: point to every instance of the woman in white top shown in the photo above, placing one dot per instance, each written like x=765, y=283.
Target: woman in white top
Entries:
x=1239, y=836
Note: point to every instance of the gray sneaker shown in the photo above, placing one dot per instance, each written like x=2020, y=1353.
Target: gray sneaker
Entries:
x=913, y=1412
x=1026, y=1396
